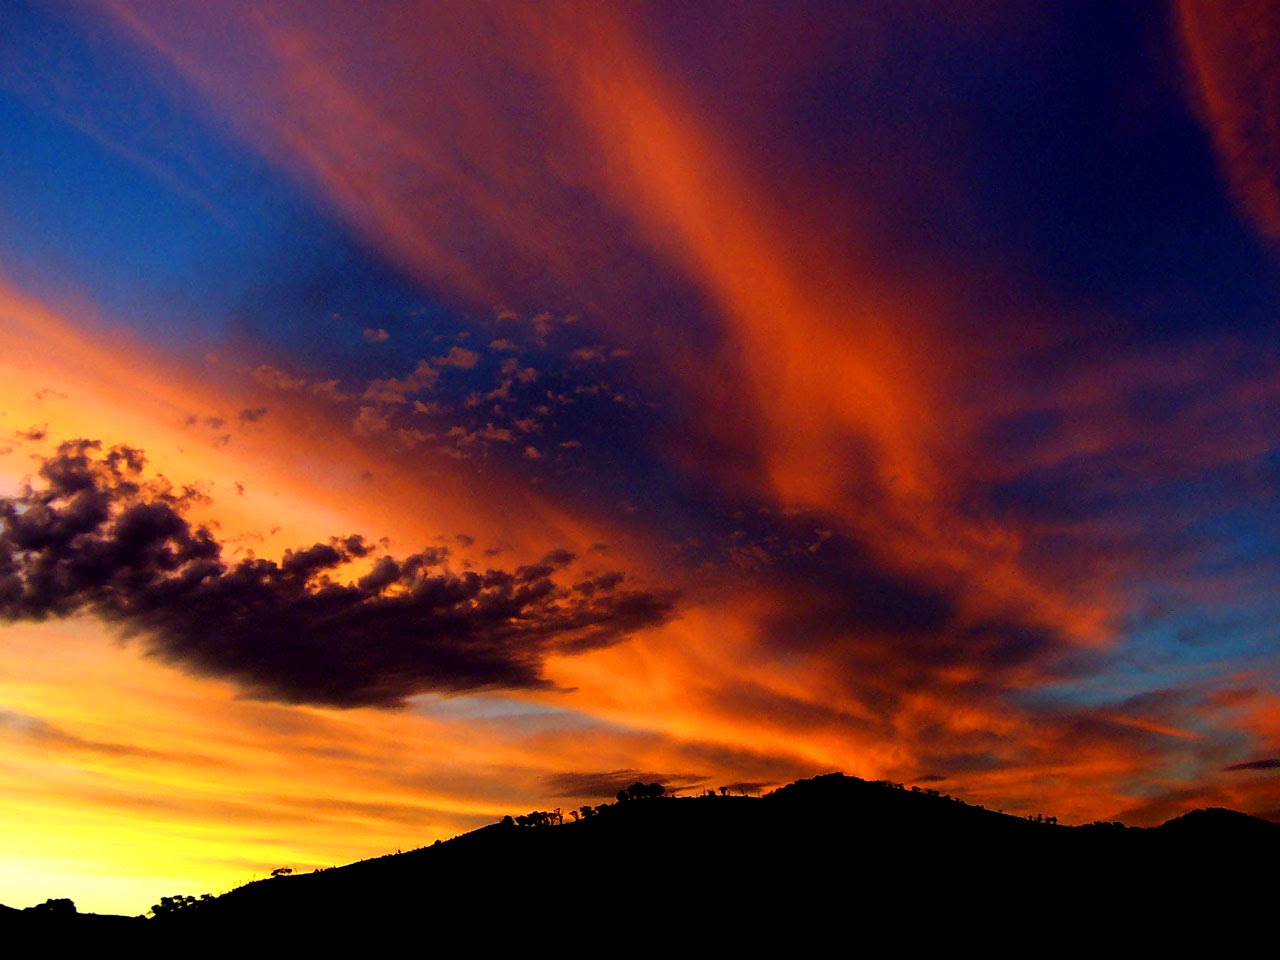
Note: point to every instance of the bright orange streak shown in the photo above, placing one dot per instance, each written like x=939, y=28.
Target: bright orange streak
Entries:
x=821, y=365
x=849, y=398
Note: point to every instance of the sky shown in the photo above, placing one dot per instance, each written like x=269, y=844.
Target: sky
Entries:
x=413, y=413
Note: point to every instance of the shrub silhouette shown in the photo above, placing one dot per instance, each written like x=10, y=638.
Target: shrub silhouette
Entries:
x=171, y=905
x=61, y=907
x=641, y=791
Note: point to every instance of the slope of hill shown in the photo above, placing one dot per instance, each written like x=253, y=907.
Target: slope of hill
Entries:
x=830, y=856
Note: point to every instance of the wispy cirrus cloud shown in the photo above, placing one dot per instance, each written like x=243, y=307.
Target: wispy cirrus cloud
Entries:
x=1232, y=65
x=52, y=736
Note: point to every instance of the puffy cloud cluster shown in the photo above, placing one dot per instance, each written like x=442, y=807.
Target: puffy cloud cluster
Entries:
x=95, y=535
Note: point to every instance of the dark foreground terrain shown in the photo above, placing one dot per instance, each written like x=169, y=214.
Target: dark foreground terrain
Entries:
x=830, y=861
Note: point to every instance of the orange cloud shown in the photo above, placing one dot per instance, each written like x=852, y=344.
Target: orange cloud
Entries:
x=1231, y=54
x=526, y=154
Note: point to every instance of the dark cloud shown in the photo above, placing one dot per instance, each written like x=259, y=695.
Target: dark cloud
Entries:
x=845, y=587
x=882, y=628
x=608, y=783
x=97, y=536
x=797, y=713
x=1272, y=763
x=771, y=768
x=875, y=616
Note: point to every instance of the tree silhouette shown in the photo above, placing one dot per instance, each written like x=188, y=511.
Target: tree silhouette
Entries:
x=171, y=905
x=641, y=791
x=537, y=818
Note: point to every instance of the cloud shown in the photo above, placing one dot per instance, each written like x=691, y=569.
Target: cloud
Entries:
x=48, y=735
x=1272, y=763
x=369, y=421
x=329, y=390
x=393, y=390
x=846, y=588
x=376, y=336
x=97, y=536
x=1231, y=55
x=511, y=367
x=608, y=783
x=277, y=379
x=469, y=438
x=458, y=357
x=593, y=354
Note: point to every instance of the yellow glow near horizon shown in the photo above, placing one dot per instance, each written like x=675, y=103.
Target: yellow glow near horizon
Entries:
x=126, y=779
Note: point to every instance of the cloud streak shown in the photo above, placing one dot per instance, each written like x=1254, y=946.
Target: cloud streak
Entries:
x=54, y=737
x=1231, y=54
x=96, y=535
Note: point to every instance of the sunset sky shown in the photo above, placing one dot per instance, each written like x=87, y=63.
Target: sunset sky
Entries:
x=417, y=412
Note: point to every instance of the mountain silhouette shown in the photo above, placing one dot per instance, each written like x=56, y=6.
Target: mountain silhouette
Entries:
x=831, y=859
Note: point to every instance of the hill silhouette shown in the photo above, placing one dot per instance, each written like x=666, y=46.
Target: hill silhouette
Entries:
x=834, y=856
